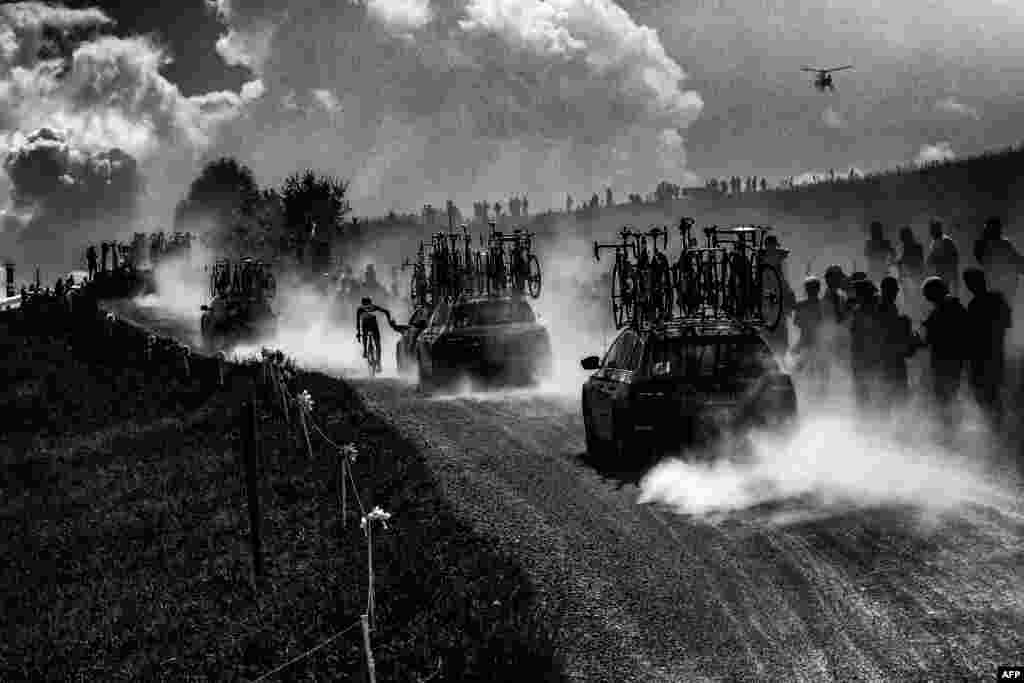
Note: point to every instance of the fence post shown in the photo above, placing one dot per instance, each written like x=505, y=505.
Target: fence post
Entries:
x=370, y=666
x=251, y=447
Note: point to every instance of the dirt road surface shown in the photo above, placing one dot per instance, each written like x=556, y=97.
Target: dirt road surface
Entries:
x=866, y=594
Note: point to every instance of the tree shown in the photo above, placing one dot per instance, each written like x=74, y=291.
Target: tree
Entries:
x=314, y=206
x=224, y=188
x=226, y=195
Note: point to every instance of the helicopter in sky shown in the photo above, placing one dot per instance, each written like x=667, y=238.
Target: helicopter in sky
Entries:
x=823, y=79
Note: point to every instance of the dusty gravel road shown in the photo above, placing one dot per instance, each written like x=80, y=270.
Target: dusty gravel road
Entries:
x=868, y=594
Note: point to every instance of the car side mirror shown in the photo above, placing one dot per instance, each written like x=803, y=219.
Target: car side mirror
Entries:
x=204, y=307
x=591, y=363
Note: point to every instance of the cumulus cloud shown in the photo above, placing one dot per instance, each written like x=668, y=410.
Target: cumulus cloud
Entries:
x=940, y=151
x=832, y=119
x=481, y=96
x=951, y=105
x=248, y=46
x=104, y=91
x=403, y=15
x=327, y=100
x=85, y=115
x=65, y=196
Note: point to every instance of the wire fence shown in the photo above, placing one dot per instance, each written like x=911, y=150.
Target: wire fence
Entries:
x=278, y=376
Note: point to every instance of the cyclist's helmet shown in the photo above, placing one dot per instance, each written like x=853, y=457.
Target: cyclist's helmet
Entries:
x=367, y=301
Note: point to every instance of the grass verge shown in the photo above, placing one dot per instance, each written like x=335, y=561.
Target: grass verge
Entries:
x=124, y=514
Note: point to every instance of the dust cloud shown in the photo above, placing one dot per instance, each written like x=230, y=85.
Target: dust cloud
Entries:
x=833, y=460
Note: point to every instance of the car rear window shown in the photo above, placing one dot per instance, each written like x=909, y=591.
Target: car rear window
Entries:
x=708, y=359
x=492, y=313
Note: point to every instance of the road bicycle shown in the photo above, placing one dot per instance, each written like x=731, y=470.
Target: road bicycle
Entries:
x=751, y=289
x=624, y=285
x=371, y=352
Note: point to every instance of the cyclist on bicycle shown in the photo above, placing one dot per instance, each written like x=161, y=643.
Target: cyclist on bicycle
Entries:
x=366, y=324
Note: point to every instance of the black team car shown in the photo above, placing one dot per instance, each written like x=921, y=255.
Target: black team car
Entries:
x=488, y=338
x=684, y=383
x=230, y=320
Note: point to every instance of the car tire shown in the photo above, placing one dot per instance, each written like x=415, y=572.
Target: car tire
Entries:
x=427, y=382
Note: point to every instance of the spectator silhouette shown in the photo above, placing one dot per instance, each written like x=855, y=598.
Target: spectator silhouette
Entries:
x=1000, y=260
x=865, y=344
x=945, y=330
x=943, y=257
x=879, y=253
x=91, y=259
x=897, y=344
x=808, y=316
x=989, y=319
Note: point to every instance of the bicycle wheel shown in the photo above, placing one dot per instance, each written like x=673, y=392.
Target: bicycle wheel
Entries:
x=533, y=280
x=734, y=289
x=710, y=292
x=687, y=276
x=661, y=289
x=769, y=292
x=621, y=297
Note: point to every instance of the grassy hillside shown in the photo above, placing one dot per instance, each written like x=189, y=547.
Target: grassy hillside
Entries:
x=126, y=556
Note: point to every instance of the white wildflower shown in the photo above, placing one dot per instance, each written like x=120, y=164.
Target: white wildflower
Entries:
x=305, y=401
x=349, y=451
x=375, y=515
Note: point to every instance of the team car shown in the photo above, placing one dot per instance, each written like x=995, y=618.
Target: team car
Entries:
x=684, y=383
x=229, y=320
x=491, y=338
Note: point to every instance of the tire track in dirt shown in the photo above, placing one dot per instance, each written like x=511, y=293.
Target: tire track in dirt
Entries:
x=757, y=601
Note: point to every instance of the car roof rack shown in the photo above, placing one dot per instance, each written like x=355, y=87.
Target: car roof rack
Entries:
x=703, y=326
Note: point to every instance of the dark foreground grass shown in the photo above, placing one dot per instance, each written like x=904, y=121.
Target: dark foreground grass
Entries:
x=123, y=514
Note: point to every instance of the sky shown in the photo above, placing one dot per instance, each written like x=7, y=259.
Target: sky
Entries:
x=416, y=101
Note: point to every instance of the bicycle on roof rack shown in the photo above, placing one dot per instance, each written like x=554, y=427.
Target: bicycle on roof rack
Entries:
x=725, y=278
x=623, y=294
x=751, y=288
x=511, y=263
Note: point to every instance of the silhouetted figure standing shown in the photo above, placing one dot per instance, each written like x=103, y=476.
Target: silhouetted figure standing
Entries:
x=835, y=318
x=897, y=344
x=879, y=253
x=608, y=197
x=91, y=259
x=835, y=302
x=1001, y=261
x=104, y=251
x=946, y=330
x=865, y=344
x=989, y=319
x=808, y=316
x=943, y=257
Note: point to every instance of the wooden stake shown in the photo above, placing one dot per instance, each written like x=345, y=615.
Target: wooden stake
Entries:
x=370, y=666
x=251, y=438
